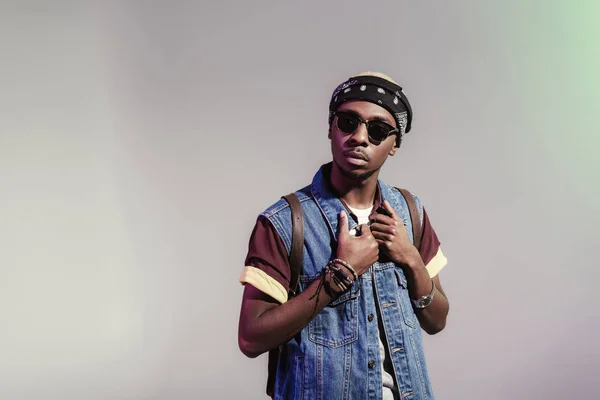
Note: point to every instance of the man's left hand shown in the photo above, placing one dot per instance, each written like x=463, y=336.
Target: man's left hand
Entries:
x=392, y=236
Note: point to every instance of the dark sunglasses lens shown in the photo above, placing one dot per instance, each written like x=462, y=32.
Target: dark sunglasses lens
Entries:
x=347, y=123
x=379, y=131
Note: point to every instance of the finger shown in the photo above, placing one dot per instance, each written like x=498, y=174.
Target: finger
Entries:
x=382, y=236
x=383, y=245
x=383, y=219
x=388, y=207
x=378, y=227
x=343, y=225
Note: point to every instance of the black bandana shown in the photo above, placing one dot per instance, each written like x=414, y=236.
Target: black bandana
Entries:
x=378, y=91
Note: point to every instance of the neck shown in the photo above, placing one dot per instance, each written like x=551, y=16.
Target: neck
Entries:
x=357, y=193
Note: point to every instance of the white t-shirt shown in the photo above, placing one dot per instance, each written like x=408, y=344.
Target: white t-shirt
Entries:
x=386, y=375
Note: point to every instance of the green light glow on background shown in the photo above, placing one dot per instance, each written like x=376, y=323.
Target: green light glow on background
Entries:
x=558, y=55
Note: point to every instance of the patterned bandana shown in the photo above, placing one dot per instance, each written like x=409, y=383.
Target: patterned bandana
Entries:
x=378, y=91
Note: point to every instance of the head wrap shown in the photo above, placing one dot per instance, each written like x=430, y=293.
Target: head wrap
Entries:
x=378, y=91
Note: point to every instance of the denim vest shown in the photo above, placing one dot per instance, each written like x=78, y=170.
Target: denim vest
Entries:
x=336, y=356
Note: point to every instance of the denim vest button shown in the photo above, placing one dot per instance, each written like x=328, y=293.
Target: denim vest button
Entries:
x=371, y=364
x=370, y=317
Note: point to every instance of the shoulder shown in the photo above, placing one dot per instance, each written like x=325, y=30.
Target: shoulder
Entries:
x=398, y=192
x=282, y=206
x=412, y=194
x=419, y=203
x=279, y=214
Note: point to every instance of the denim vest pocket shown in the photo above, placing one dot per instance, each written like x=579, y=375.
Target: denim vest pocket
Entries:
x=405, y=303
x=337, y=324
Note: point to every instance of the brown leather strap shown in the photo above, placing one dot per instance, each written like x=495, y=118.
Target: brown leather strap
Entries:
x=272, y=361
x=297, y=241
x=295, y=269
x=414, y=216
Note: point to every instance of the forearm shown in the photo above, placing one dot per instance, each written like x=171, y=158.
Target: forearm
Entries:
x=433, y=317
x=280, y=323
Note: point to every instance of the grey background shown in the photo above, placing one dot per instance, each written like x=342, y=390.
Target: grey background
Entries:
x=139, y=141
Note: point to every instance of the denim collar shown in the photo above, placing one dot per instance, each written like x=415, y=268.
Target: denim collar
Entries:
x=331, y=206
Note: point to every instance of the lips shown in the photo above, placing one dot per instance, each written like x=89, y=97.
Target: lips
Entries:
x=356, y=155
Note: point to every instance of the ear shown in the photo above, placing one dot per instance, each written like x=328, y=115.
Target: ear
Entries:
x=329, y=133
x=393, y=150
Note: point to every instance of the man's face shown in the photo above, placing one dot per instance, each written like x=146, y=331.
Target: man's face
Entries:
x=353, y=153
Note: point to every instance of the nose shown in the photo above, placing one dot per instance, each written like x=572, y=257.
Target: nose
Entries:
x=360, y=137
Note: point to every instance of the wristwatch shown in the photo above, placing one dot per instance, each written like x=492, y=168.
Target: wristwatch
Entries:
x=424, y=301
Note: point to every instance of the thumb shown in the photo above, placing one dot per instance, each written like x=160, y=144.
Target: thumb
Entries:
x=343, y=225
x=365, y=230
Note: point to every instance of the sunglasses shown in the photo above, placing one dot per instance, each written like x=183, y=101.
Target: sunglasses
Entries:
x=378, y=131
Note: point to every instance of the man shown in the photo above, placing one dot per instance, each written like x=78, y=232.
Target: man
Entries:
x=352, y=331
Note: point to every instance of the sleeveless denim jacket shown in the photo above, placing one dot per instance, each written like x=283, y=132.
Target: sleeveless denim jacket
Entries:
x=336, y=356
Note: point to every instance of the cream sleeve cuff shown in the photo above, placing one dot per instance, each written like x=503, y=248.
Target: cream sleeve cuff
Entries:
x=263, y=282
x=436, y=264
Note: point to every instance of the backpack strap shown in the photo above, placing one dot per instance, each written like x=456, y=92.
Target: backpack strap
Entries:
x=297, y=241
x=414, y=216
x=295, y=270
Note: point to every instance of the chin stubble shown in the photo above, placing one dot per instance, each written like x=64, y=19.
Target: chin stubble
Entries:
x=350, y=175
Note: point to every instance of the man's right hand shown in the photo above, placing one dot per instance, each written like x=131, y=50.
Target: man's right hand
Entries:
x=359, y=251
x=265, y=324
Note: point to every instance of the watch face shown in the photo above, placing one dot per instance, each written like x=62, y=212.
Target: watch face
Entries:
x=423, y=302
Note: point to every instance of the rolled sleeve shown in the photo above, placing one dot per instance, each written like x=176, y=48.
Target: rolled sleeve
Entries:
x=431, y=251
x=267, y=267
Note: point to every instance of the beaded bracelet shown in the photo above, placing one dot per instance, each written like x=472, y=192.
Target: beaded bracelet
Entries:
x=341, y=275
x=323, y=284
x=348, y=266
x=339, y=283
x=337, y=276
x=343, y=281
